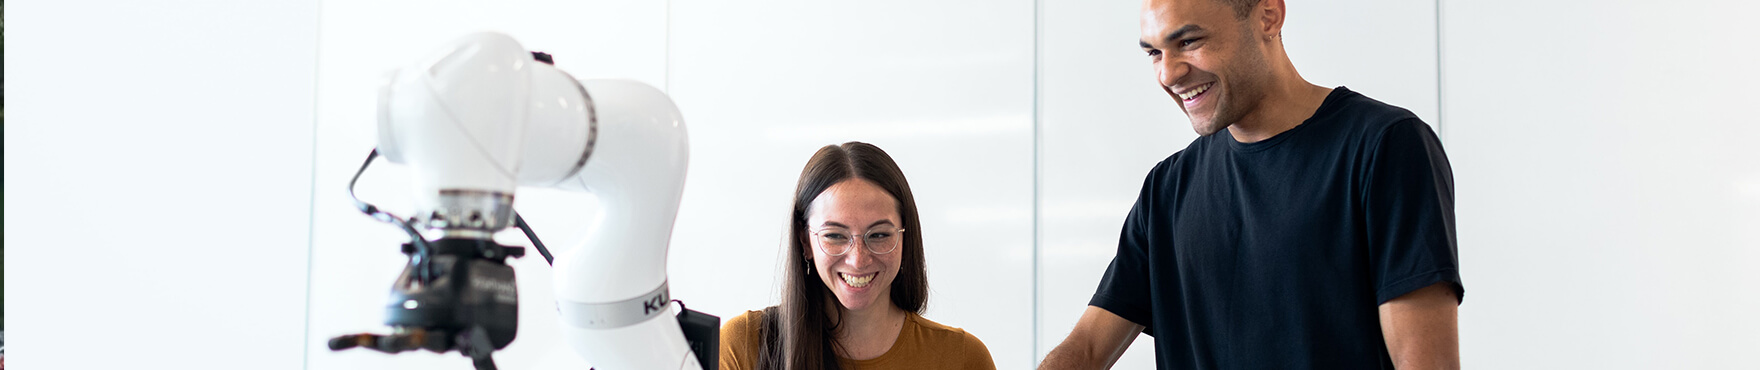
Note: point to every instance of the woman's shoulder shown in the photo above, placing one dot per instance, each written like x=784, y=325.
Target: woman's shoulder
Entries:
x=739, y=340
x=748, y=321
x=938, y=335
x=935, y=328
x=745, y=328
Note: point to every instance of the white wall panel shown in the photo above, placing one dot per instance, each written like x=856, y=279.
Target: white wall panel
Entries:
x=355, y=258
x=1607, y=183
x=1104, y=123
x=1385, y=49
x=158, y=179
x=944, y=87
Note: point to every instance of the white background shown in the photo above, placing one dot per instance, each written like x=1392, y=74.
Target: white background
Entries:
x=174, y=171
x=1607, y=182
x=158, y=183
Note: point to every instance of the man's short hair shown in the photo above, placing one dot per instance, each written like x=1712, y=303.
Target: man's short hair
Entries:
x=1241, y=7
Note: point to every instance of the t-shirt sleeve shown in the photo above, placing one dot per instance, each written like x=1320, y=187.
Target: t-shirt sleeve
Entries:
x=1124, y=290
x=1409, y=205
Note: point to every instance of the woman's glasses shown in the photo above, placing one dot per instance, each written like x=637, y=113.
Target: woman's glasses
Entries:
x=836, y=241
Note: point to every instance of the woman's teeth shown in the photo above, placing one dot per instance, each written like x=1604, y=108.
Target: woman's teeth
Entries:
x=857, y=281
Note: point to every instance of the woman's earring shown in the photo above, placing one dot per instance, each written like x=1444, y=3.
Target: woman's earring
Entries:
x=809, y=267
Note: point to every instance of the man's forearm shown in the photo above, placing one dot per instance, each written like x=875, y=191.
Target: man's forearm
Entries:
x=1095, y=343
x=1079, y=353
x=1067, y=356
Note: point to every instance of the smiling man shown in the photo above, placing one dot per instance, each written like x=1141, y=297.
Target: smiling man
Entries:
x=1308, y=227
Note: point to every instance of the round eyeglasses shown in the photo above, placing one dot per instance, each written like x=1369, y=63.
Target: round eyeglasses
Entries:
x=836, y=241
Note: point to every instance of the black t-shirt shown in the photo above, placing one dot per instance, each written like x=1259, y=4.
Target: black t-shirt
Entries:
x=1276, y=254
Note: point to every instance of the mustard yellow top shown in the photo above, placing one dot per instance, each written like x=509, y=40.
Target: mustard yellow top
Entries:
x=922, y=344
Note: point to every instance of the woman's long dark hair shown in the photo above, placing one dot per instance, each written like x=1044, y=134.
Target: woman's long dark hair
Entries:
x=799, y=334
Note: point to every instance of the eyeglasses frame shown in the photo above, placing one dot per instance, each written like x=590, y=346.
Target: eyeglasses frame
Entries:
x=864, y=240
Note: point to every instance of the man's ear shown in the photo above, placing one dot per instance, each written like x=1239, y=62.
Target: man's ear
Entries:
x=1269, y=17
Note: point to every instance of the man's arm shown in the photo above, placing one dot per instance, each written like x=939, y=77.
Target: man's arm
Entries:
x=1097, y=341
x=1421, y=329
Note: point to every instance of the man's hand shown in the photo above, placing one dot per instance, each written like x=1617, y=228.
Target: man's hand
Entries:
x=1097, y=341
x=1421, y=329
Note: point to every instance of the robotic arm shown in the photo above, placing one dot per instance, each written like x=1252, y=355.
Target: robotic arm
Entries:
x=482, y=118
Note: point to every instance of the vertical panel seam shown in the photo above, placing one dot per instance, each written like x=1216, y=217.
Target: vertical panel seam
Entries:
x=305, y=356
x=1442, y=129
x=1038, y=173
x=667, y=55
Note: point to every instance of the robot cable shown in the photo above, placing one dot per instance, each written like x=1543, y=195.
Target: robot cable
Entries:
x=415, y=237
x=521, y=223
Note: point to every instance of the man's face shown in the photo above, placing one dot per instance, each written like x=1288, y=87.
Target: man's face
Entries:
x=1206, y=59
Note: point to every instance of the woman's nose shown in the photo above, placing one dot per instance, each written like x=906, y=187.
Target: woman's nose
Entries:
x=858, y=253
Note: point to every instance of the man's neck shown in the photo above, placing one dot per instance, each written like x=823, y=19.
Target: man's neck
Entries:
x=1282, y=109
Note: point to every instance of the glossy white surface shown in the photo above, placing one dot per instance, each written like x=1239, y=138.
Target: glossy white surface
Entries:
x=473, y=92
x=637, y=172
x=1607, y=182
x=158, y=183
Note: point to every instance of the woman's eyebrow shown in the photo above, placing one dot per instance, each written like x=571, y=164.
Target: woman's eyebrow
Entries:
x=837, y=224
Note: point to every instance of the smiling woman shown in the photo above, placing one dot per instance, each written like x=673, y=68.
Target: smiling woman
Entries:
x=855, y=283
